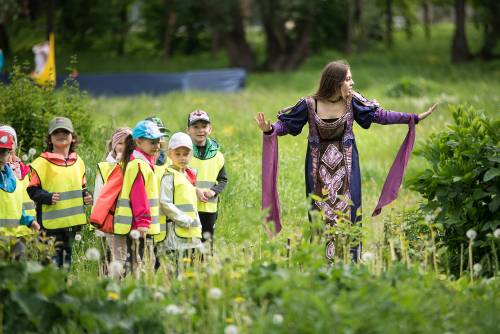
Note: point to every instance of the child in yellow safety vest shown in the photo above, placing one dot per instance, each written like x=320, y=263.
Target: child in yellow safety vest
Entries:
x=136, y=212
x=14, y=222
x=58, y=187
x=180, y=224
x=115, y=148
x=208, y=162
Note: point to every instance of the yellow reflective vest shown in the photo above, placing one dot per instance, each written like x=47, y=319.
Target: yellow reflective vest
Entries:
x=105, y=168
x=11, y=212
x=28, y=204
x=67, y=181
x=123, y=214
x=185, y=199
x=206, y=178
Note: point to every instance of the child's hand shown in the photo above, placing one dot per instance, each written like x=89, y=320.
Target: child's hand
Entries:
x=55, y=198
x=87, y=199
x=35, y=226
x=209, y=193
x=201, y=195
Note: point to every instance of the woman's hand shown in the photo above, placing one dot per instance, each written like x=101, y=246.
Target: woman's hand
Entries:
x=428, y=112
x=264, y=125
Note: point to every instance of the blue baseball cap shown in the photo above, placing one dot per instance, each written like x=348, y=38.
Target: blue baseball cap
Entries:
x=146, y=129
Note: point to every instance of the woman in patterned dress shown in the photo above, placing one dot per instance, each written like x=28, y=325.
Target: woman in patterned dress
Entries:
x=332, y=164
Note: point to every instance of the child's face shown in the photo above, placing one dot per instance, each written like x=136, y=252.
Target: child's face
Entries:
x=149, y=146
x=61, y=139
x=119, y=148
x=4, y=156
x=180, y=157
x=199, y=132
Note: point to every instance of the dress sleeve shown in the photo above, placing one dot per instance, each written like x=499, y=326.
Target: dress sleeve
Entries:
x=291, y=120
x=367, y=112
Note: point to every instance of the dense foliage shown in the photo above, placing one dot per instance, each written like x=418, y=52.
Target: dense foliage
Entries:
x=462, y=185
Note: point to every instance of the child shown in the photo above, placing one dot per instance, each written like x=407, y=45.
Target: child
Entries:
x=58, y=187
x=178, y=202
x=115, y=148
x=137, y=206
x=161, y=159
x=13, y=219
x=208, y=162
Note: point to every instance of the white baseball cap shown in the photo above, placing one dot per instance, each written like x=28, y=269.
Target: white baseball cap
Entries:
x=180, y=139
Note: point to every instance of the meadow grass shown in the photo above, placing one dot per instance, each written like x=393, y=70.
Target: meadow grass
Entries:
x=256, y=283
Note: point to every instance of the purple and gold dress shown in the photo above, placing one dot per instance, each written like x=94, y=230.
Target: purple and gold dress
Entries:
x=332, y=170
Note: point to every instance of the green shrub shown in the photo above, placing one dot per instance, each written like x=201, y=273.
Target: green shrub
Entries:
x=408, y=86
x=463, y=184
x=28, y=108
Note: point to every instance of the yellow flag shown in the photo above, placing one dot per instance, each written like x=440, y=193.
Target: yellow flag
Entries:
x=47, y=77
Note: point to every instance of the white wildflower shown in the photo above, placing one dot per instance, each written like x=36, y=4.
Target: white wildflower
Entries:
x=115, y=269
x=471, y=234
x=477, y=268
x=207, y=235
x=135, y=234
x=100, y=234
x=78, y=237
x=32, y=151
x=24, y=157
x=215, y=293
x=173, y=309
x=231, y=329
x=277, y=319
x=367, y=257
x=92, y=254
x=497, y=233
x=158, y=296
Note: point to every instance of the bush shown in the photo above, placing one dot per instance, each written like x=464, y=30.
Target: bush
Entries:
x=408, y=86
x=28, y=108
x=463, y=183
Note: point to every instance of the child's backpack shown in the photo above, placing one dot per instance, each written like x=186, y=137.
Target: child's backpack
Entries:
x=103, y=210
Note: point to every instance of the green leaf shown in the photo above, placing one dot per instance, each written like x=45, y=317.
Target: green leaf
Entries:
x=490, y=174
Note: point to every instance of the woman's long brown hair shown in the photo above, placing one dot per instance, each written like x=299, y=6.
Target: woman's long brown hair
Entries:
x=332, y=77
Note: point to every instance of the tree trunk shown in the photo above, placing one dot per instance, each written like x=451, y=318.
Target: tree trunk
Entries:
x=459, y=49
x=50, y=17
x=491, y=33
x=388, y=23
x=349, y=30
x=239, y=51
x=170, y=23
x=4, y=40
x=123, y=30
x=426, y=10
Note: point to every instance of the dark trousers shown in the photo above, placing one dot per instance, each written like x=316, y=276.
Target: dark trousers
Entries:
x=207, y=220
x=64, y=238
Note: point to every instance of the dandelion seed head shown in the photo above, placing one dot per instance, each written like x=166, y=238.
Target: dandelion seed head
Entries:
x=477, y=268
x=207, y=235
x=100, y=234
x=231, y=329
x=78, y=237
x=367, y=257
x=173, y=309
x=135, y=234
x=116, y=269
x=471, y=234
x=93, y=254
x=278, y=319
x=32, y=151
x=24, y=157
x=215, y=293
x=497, y=233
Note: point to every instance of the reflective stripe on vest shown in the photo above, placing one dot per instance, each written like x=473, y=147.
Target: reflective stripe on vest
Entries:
x=123, y=214
x=67, y=181
x=206, y=178
x=105, y=168
x=185, y=199
x=11, y=213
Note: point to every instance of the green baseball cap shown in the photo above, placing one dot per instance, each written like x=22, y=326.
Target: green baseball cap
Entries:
x=60, y=123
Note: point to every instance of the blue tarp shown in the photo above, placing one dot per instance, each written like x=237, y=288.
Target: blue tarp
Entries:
x=223, y=80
